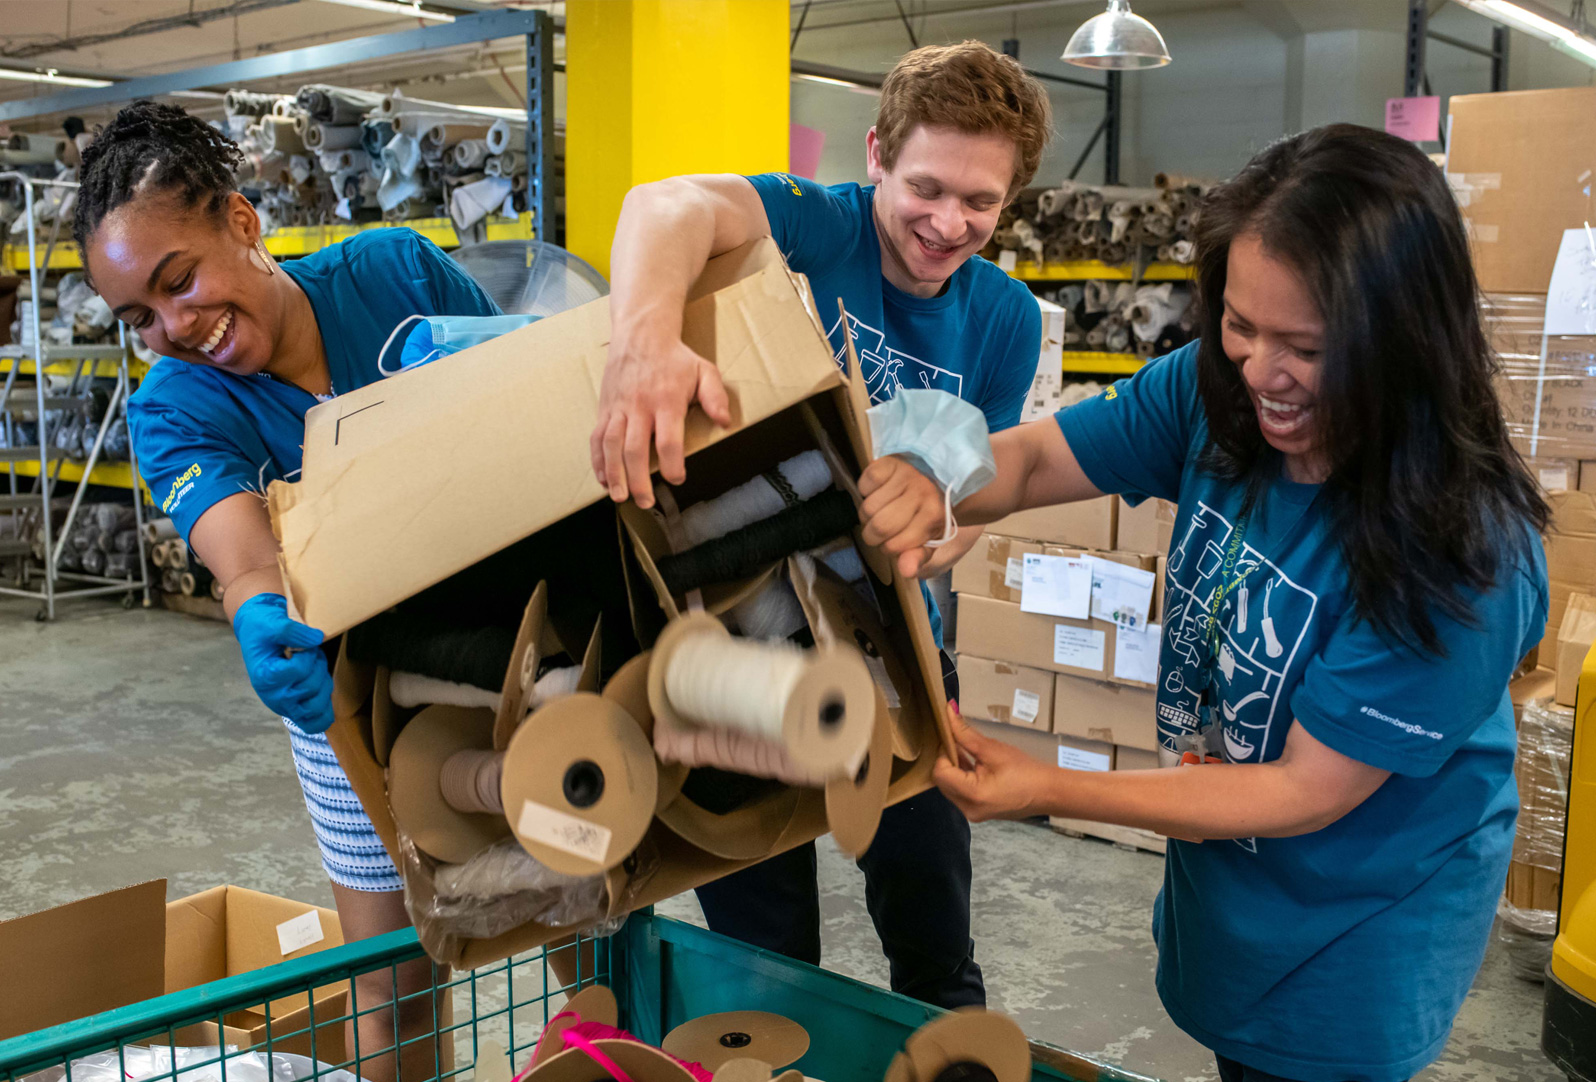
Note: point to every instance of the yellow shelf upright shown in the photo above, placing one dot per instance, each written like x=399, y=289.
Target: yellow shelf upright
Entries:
x=656, y=88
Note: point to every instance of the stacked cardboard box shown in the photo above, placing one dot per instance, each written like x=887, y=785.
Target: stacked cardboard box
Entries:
x=1047, y=388
x=1076, y=691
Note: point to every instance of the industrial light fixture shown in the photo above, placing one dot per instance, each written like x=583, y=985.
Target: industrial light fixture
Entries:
x=1117, y=40
x=50, y=75
x=412, y=8
x=1566, y=34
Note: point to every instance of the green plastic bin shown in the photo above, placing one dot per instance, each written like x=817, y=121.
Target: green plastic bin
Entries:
x=663, y=973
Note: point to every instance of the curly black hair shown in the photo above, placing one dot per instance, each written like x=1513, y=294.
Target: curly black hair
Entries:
x=149, y=147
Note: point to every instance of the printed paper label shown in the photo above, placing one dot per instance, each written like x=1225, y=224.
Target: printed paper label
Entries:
x=1075, y=759
x=1078, y=647
x=1136, y=654
x=1121, y=595
x=1027, y=704
x=1057, y=586
x=1014, y=574
x=1554, y=480
x=1571, y=296
x=299, y=933
x=1008, y=259
x=558, y=830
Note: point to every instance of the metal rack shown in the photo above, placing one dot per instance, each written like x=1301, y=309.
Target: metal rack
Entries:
x=18, y=503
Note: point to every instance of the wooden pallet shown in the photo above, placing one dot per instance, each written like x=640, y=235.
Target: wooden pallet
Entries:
x=1124, y=837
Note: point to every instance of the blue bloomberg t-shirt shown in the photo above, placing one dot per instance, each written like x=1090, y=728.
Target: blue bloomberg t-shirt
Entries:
x=1344, y=953
x=202, y=434
x=979, y=339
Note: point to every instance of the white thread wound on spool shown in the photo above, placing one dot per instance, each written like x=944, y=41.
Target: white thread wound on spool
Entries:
x=772, y=613
x=807, y=475
x=733, y=684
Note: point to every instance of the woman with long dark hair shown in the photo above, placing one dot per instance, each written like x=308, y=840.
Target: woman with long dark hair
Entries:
x=1354, y=575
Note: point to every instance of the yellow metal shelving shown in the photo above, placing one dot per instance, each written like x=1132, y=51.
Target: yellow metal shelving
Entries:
x=1108, y=364
x=293, y=241
x=112, y=474
x=64, y=361
x=1084, y=269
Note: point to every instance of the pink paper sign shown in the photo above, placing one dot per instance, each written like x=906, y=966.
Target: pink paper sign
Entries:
x=803, y=150
x=1415, y=119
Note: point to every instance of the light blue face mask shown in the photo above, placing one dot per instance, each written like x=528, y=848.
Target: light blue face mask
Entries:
x=942, y=436
x=432, y=337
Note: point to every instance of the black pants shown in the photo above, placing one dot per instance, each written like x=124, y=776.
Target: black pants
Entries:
x=1231, y=1071
x=917, y=889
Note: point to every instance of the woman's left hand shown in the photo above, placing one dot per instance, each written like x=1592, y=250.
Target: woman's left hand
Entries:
x=999, y=782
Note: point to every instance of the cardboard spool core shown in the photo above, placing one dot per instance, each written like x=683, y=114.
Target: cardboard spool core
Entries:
x=828, y=716
x=580, y=784
x=640, y=1062
x=629, y=688
x=715, y=1040
x=854, y=804
x=522, y=672
x=415, y=796
x=994, y=1041
x=595, y=1003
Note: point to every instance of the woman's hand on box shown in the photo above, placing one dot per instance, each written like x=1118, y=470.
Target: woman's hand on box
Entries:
x=991, y=780
x=903, y=509
x=285, y=663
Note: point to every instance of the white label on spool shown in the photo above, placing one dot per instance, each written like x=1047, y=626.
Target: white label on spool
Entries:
x=558, y=830
x=1078, y=647
x=299, y=933
x=1014, y=574
x=1027, y=704
x=883, y=679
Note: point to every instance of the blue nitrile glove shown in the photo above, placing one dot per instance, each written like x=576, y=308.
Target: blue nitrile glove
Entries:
x=285, y=667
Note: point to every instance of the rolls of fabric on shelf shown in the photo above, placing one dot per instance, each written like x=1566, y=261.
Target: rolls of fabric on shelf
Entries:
x=330, y=154
x=1112, y=224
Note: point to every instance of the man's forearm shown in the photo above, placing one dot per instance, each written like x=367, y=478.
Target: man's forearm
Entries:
x=662, y=241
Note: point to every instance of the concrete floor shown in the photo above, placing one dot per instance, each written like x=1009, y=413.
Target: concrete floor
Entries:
x=131, y=748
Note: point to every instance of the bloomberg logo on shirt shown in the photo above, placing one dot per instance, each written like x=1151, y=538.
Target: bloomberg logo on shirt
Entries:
x=184, y=482
x=1405, y=726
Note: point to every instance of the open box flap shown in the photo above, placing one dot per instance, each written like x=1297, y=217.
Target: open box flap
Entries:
x=497, y=436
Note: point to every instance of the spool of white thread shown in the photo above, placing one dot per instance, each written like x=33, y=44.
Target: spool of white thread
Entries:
x=819, y=705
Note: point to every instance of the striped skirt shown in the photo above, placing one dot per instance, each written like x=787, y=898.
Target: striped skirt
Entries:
x=351, y=851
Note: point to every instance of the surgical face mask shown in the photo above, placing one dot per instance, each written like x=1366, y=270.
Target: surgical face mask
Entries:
x=431, y=337
x=942, y=436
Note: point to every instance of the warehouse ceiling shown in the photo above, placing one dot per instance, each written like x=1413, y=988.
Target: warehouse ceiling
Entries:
x=119, y=39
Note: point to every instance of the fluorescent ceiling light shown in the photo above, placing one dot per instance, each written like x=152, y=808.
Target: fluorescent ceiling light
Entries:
x=857, y=88
x=396, y=7
x=1562, y=32
x=50, y=75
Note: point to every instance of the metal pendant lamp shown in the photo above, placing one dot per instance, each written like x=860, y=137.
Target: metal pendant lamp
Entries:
x=1117, y=40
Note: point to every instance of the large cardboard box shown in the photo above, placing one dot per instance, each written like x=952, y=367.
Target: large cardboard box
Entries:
x=1128, y=758
x=1060, y=751
x=1542, y=768
x=1520, y=164
x=999, y=629
x=130, y=945
x=1570, y=554
x=1111, y=713
x=442, y=469
x=1087, y=524
x=1006, y=692
x=1536, y=684
x=1146, y=528
x=1575, y=634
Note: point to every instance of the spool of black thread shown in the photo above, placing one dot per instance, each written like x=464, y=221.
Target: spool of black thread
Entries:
x=756, y=546
x=966, y=1071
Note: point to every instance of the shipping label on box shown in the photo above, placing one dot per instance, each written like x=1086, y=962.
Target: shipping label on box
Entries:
x=1005, y=692
x=1110, y=713
x=1076, y=754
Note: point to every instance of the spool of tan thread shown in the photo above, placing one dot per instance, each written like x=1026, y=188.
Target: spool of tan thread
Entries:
x=818, y=704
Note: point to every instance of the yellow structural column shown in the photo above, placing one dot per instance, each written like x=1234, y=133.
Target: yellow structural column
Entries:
x=655, y=88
